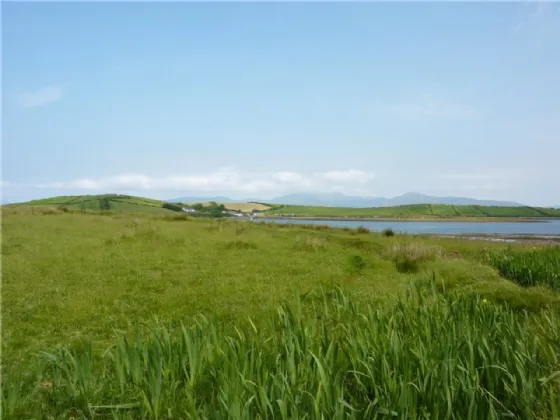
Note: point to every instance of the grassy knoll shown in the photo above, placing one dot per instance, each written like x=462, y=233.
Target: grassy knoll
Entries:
x=428, y=211
x=267, y=321
x=119, y=203
x=113, y=202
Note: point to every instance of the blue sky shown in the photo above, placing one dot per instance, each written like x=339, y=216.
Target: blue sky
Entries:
x=261, y=99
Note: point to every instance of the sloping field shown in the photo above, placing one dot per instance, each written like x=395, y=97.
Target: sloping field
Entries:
x=119, y=202
x=244, y=207
x=414, y=211
x=113, y=202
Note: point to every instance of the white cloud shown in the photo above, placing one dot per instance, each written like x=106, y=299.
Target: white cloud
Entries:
x=226, y=180
x=40, y=97
x=288, y=177
x=349, y=176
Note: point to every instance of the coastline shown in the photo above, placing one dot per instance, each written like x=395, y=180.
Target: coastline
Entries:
x=412, y=219
x=527, y=239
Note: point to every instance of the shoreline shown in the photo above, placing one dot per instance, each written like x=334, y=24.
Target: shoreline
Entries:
x=524, y=238
x=412, y=219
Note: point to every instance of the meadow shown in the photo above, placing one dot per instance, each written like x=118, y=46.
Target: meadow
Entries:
x=124, y=204
x=427, y=211
x=163, y=317
x=131, y=204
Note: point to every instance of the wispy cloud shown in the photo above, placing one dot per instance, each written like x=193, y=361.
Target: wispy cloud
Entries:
x=350, y=176
x=226, y=180
x=40, y=97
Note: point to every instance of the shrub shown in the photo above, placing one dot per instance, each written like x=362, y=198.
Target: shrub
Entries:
x=362, y=229
x=409, y=256
x=104, y=204
x=357, y=264
x=388, y=232
x=171, y=206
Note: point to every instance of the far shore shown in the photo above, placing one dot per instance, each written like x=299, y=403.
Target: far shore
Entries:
x=413, y=219
x=527, y=239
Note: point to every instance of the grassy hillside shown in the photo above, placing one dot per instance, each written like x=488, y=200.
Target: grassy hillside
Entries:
x=335, y=323
x=413, y=211
x=243, y=207
x=126, y=203
x=114, y=202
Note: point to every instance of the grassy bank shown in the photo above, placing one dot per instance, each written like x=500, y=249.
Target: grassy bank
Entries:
x=250, y=320
x=416, y=211
x=122, y=203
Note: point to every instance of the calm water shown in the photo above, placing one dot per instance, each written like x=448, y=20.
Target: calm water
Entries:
x=549, y=227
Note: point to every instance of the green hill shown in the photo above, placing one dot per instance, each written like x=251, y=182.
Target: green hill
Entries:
x=436, y=211
x=114, y=202
x=132, y=204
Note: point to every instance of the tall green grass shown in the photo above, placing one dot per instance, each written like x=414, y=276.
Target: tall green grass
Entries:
x=528, y=268
x=427, y=355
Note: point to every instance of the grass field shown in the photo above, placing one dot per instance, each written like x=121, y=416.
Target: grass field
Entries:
x=131, y=204
x=113, y=202
x=428, y=211
x=244, y=207
x=124, y=203
x=148, y=316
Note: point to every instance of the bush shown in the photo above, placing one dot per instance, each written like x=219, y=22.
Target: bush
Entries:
x=409, y=256
x=388, y=232
x=173, y=207
x=104, y=204
x=357, y=264
x=362, y=229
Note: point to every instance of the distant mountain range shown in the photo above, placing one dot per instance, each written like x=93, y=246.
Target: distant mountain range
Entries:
x=343, y=200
